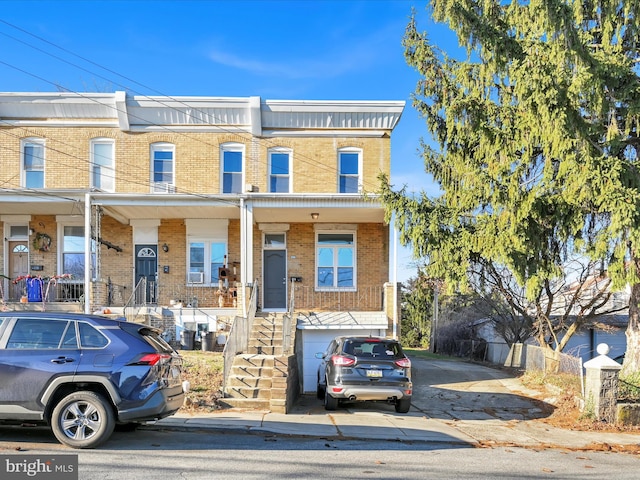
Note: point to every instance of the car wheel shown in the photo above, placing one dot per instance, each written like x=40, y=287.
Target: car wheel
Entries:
x=330, y=403
x=403, y=405
x=82, y=420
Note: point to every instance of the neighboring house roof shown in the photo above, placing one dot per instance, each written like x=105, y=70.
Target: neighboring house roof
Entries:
x=342, y=320
x=227, y=114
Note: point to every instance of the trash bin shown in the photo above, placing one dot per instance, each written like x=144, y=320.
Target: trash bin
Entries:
x=187, y=339
x=208, y=342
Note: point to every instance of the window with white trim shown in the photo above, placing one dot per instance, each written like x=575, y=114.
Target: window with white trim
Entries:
x=279, y=170
x=102, y=164
x=72, y=253
x=33, y=163
x=231, y=163
x=162, y=168
x=336, y=260
x=349, y=168
x=205, y=258
x=206, y=250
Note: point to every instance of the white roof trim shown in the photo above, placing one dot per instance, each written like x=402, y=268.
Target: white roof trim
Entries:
x=249, y=114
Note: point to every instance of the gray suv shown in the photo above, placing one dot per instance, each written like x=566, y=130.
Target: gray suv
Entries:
x=85, y=374
x=364, y=368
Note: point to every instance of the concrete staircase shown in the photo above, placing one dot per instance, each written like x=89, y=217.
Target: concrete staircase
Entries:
x=251, y=379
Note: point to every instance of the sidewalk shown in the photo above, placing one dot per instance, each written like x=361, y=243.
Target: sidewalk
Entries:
x=382, y=423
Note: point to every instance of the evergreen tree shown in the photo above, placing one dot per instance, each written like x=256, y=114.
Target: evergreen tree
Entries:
x=537, y=143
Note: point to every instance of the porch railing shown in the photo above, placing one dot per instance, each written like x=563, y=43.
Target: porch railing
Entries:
x=287, y=321
x=51, y=291
x=369, y=298
x=238, y=339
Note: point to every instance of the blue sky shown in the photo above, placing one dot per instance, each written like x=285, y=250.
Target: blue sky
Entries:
x=311, y=50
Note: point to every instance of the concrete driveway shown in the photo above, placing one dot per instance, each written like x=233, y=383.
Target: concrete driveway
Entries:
x=456, y=390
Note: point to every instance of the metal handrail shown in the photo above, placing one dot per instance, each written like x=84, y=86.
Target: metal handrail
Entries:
x=238, y=339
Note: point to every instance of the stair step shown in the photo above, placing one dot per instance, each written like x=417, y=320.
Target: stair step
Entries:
x=248, y=392
x=253, y=360
x=251, y=371
x=244, y=381
x=248, y=403
x=265, y=350
x=254, y=342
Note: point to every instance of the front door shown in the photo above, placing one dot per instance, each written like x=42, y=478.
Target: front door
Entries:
x=146, y=273
x=275, y=280
x=18, y=267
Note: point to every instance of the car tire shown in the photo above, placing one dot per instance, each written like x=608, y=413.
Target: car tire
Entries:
x=83, y=420
x=330, y=403
x=403, y=405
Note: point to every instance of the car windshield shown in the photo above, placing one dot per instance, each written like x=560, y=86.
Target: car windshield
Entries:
x=372, y=349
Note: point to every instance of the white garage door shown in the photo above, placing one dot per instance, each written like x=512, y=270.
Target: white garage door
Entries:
x=314, y=341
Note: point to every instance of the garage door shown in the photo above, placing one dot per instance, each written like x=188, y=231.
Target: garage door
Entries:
x=314, y=341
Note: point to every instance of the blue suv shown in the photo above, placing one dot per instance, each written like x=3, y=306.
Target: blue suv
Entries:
x=84, y=374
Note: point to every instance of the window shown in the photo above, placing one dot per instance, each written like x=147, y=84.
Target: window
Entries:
x=33, y=163
x=231, y=155
x=73, y=251
x=349, y=171
x=37, y=333
x=102, y=165
x=90, y=337
x=279, y=171
x=205, y=258
x=335, y=260
x=162, y=164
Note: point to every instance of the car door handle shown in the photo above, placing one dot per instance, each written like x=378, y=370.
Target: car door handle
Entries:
x=62, y=360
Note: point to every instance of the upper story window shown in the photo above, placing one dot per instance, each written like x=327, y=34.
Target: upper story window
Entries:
x=102, y=164
x=162, y=168
x=279, y=170
x=335, y=260
x=231, y=162
x=349, y=170
x=33, y=163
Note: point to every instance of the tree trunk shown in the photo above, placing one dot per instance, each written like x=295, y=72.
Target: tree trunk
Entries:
x=632, y=356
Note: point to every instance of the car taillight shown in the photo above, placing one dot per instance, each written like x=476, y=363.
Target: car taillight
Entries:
x=153, y=359
x=403, y=362
x=341, y=361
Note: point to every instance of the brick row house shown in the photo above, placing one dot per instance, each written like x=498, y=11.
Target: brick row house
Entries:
x=190, y=208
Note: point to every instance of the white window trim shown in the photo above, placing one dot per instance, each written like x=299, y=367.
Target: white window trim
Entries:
x=232, y=147
x=211, y=231
x=360, y=164
x=170, y=187
x=111, y=169
x=290, y=174
x=354, y=288
x=61, y=251
x=23, y=172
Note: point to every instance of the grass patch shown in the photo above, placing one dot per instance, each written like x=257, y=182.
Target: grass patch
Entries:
x=204, y=371
x=563, y=381
x=629, y=388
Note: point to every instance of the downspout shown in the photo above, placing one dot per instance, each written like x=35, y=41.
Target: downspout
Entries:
x=87, y=252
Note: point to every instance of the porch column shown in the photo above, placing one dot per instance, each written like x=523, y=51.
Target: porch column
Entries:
x=246, y=246
x=87, y=253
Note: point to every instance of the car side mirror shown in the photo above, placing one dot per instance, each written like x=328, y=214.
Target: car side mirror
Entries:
x=319, y=355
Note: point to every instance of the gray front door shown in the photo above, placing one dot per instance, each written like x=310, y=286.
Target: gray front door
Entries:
x=146, y=268
x=275, y=280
